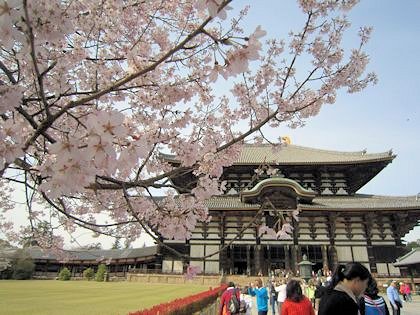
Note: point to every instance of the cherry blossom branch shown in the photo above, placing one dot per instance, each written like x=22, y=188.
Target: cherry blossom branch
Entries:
x=289, y=68
x=156, y=239
x=34, y=60
x=8, y=73
x=48, y=122
x=239, y=234
x=80, y=222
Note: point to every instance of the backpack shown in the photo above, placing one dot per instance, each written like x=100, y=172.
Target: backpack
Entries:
x=242, y=306
x=233, y=305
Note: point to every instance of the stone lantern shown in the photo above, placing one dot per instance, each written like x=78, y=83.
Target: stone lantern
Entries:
x=305, y=268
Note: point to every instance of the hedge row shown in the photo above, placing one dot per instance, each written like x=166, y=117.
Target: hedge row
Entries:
x=185, y=306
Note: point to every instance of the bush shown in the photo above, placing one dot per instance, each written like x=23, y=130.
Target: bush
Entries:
x=88, y=274
x=22, y=265
x=23, y=268
x=100, y=274
x=64, y=274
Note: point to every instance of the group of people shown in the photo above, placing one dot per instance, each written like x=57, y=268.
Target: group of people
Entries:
x=405, y=291
x=350, y=291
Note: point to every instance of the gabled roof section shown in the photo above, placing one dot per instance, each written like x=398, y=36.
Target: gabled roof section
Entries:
x=277, y=182
x=411, y=258
x=255, y=154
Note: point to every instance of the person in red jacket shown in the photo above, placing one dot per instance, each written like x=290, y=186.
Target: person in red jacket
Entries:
x=225, y=298
x=296, y=303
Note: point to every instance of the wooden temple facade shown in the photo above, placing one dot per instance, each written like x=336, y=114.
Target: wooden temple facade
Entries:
x=335, y=223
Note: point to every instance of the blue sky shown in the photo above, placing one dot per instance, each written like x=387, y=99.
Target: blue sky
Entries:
x=383, y=117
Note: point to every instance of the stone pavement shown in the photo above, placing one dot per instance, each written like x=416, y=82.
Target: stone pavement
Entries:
x=412, y=308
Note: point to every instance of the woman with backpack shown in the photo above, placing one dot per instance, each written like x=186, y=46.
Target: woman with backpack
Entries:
x=371, y=303
x=346, y=285
x=229, y=300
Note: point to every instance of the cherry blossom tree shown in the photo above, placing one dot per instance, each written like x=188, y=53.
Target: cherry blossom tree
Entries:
x=93, y=92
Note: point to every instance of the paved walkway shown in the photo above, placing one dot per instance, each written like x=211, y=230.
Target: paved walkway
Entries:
x=412, y=308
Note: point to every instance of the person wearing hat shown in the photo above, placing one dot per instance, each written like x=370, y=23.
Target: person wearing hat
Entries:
x=394, y=298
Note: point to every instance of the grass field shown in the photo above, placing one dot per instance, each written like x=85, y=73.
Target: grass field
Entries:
x=47, y=297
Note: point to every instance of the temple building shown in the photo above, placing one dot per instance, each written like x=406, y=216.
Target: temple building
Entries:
x=336, y=224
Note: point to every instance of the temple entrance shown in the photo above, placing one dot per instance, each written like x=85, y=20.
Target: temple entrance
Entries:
x=240, y=259
x=314, y=255
x=239, y=267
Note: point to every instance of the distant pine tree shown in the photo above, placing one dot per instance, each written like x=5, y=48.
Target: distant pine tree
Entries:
x=117, y=243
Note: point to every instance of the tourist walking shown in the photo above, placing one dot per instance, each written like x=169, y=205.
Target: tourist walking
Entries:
x=296, y=303
x=347, y=283
x=257, y=289
x=407, y=291
x=371, y=303
x=319, y=292
x=273, y=297
x=394, y=298
x=310, y=292
x=402, y=291
x=226, y=298
x=281, y=293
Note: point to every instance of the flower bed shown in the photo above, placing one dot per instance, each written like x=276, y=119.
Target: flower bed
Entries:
x=185, y=306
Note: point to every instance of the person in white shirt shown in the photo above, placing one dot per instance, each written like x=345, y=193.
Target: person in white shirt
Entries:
x=247, y=299
x=281, y=296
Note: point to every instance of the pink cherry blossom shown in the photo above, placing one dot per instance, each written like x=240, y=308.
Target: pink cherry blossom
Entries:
x=192, y=271
x=104, y=104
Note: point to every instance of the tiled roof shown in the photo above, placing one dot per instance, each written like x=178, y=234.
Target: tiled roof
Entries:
x=292, y=154
x=356, y=202
x=361, y=201
x=411, y=258
x=229, y=203
x=94, y=254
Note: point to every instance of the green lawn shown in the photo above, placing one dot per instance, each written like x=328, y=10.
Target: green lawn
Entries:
x=47, y=297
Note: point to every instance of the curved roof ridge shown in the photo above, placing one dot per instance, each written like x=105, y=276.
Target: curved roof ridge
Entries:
x=387, y=196
x=255, y=154
x=361, y=152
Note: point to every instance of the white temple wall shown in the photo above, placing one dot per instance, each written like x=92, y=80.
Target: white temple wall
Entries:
x=360, y=254
x=344, y=254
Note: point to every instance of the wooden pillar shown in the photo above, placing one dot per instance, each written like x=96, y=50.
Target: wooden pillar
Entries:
x=334, y=257
x=295, y=246
x=223, y=260
x=248, y=260
x=257, y=250
x=257, y=257
x=231, y=259
x=324, y=252
x=331, y=227
x=294, y=260
x=368, y=229
x=268, y=265
x=287, y=266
